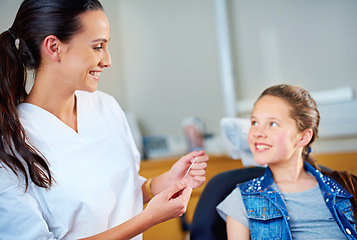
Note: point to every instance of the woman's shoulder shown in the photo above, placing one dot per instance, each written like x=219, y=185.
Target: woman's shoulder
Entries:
x=10, y=180
x=19, y=209
x=12, y=187
x=7, y=176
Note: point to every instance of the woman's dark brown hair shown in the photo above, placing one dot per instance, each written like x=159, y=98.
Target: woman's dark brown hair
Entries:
x=303, y=109
x=19, y=52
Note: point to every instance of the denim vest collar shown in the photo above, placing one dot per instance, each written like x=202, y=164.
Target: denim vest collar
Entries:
x=326, y=184
x=330, y=189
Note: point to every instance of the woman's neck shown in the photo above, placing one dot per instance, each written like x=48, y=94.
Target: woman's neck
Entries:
x=54, y=99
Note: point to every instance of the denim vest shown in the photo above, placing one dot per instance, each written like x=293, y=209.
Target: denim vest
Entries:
x=268, y=215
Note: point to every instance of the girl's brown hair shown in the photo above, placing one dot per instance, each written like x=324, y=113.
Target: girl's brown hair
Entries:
x=304, y=111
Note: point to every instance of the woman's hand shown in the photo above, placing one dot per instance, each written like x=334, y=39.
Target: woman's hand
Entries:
x=196, y=175
x=170, y=203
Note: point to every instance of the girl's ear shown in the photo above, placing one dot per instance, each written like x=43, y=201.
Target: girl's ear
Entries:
x=52, y=47
x=305, y=137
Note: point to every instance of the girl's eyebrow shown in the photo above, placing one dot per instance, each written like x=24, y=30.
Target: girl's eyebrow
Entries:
x=269, y=118
x=274, y=119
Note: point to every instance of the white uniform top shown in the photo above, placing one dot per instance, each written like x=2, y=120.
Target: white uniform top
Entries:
x=96, y=172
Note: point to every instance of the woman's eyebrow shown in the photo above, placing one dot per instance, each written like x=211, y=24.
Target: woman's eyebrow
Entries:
x=101, y=40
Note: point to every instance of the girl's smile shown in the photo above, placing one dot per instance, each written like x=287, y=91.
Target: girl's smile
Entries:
x=273, y=134
x=262, y=147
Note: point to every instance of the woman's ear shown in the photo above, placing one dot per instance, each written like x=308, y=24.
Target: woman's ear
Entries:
x=305, y=137
x=52, y=47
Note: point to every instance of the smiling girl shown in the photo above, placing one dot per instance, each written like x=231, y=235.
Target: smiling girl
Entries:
x=68, y=162
x=294, y=199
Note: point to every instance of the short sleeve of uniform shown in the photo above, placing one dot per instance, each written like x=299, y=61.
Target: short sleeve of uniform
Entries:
x=20, y=215
x=119, y=114
x=233, y=206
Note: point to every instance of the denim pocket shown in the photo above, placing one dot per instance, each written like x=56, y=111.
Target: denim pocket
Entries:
x=265, y=219
x=345, y=208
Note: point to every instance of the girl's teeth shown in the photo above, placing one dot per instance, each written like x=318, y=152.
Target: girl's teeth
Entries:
x=263, y=147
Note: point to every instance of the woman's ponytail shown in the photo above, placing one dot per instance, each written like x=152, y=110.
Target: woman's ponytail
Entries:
x=15, y=151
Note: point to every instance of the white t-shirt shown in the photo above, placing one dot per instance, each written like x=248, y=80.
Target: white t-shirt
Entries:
x=97, y=185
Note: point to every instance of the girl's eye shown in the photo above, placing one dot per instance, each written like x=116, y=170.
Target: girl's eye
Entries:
x=254, y=123
x=273, y=124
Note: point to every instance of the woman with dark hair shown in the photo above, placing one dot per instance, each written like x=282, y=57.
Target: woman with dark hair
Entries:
x=68, y=162
x=294, y=199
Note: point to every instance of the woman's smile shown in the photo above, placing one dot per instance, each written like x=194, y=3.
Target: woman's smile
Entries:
x=95, y=74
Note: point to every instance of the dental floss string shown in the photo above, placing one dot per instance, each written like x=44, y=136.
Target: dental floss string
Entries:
x=194, y=160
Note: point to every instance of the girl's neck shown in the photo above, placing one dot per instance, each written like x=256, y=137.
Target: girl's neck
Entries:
x=292, y=177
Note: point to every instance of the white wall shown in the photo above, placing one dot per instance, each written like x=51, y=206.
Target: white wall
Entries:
x=8, y=12
x=169, y=63
x=165, y=59
x=306, y=42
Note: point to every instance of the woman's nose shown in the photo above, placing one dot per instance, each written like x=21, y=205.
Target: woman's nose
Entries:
x=106, y=60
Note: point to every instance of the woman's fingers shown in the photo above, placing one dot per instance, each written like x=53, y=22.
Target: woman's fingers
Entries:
x=195, y=173
x=201, y=158
x=170, y=203
x=192, y=155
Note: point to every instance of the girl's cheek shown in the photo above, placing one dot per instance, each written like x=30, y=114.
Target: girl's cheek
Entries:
x=250, y=135
x=250, y=139
x=280, y=139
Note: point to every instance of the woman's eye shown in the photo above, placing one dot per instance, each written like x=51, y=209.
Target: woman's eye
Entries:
x=98, y=48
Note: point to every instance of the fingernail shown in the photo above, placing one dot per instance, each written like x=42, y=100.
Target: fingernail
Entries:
x=183, y=182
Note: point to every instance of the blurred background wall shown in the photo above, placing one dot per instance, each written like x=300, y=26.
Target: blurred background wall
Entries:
x=166, y=64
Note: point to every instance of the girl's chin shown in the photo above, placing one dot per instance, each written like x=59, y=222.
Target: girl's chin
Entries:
x=260, y=162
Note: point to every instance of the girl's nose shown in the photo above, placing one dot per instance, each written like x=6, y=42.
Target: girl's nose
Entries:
x=258, y=132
